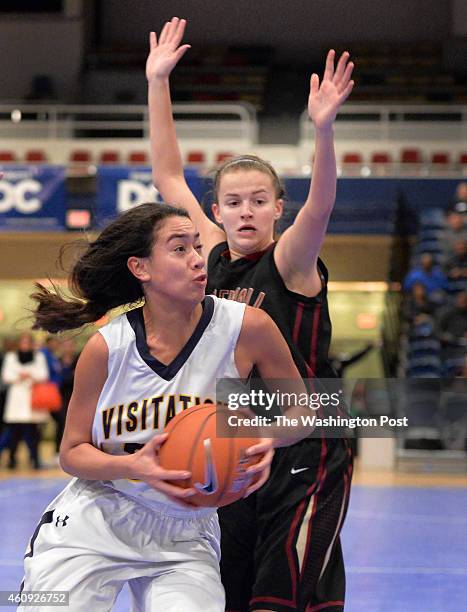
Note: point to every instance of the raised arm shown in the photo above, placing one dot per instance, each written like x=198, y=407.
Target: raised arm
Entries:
x=167, y=164
x=298, y=249
x=262, y=345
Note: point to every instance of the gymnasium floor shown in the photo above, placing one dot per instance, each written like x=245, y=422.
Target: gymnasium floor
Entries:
x=405, y=539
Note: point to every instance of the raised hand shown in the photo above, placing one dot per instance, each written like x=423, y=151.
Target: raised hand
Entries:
x=325, y=99
x=166, y=53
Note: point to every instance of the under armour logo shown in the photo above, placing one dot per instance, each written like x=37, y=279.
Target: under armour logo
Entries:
x=62, y=521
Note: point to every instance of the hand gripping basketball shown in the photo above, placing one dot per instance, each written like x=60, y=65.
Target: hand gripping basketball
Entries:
x=148, y=469
x=224, y=466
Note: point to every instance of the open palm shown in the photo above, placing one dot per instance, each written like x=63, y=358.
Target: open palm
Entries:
x=325, y=99
x=166, y=53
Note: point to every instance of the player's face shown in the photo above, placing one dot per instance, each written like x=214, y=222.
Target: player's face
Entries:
x=247, y=208
x=176, y=267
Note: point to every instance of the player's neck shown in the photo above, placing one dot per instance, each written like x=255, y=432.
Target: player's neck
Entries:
x=255, y=253
x=167, y=331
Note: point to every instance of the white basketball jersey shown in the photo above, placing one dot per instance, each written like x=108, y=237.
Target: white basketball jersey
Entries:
x=141, y=394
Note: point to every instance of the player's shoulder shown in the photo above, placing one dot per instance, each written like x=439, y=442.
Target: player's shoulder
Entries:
x=225, y=305
x=95, y=348
x=257, y=321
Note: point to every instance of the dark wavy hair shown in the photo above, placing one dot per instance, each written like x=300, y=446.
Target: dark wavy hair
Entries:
x=100, y=280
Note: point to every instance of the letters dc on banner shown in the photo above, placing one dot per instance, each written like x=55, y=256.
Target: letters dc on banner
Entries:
x=32, y=198
x=121, y=188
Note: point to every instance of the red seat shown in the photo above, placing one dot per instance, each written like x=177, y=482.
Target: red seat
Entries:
x=411, y=156
x=7, y=156
x=440, y=158
x=381, y=157
x=223, y=156
x=352, y=158
x=109, y=157
x=34, y=156
x=195, y=157
x=138, y=157
x=80, y=156
x=463, y=159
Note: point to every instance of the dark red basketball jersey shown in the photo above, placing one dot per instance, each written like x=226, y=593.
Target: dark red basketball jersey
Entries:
x=303, y=321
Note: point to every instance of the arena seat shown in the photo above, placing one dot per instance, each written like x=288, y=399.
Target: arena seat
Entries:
x=352, y=158
x=440, y=158
x=381, y=157
x=109, y=157
x=7, y=156
x=138, y=157
x=195, y=157
x=223, y=156
x=411, y=156
x=36, y=156
x=80, y=156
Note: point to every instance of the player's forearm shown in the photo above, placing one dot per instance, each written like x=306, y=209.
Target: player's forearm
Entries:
x=166, y=157
x=86, y=461
x=296, y=424
x=322, y=194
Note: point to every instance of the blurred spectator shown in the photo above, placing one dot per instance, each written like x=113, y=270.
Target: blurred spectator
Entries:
x=454, y=231
x=455, y=266
x=452, y=322
x=340, y=362
x=8, y=345
x=459, y=202
x=417, y=307
x=68, y=359
x=427, y=274
x=54, y=366
x=20, y=369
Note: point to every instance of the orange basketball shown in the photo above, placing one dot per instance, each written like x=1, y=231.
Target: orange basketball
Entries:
x=217, y=464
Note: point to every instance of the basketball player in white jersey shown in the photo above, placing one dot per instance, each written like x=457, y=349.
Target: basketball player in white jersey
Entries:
x=121, y=519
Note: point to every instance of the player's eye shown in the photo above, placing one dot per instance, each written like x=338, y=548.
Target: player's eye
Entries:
x=180, y=249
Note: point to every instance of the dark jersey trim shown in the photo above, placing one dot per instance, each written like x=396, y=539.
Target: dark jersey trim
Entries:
x=168, y=372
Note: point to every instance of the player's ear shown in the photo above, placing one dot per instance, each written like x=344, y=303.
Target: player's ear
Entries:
x=278, y=208
x=216, y=212
x=138, y=266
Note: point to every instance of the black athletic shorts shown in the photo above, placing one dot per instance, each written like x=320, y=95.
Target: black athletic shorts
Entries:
x=280, y=546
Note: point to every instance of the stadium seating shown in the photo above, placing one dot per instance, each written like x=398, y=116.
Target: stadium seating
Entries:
x=138, y=157
x=109, y=157
x=36, y=156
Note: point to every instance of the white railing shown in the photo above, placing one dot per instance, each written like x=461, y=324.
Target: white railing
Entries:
x=193, y=121
x=396, y=123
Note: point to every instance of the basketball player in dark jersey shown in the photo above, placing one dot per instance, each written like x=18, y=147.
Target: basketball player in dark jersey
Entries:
x=280, y=547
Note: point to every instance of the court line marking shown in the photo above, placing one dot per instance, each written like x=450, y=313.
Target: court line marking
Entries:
x=11, y=563
x=419, y=518
x=27, y=488
x=453, y=571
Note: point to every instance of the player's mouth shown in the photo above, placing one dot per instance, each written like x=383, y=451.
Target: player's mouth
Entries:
x=202, y=278
x=247, y=229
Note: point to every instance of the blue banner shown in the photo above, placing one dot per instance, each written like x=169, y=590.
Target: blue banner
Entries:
x=120, y=188
x=32, y=198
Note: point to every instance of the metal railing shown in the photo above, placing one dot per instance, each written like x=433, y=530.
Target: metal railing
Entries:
x=412, y=123
x=193, y=121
